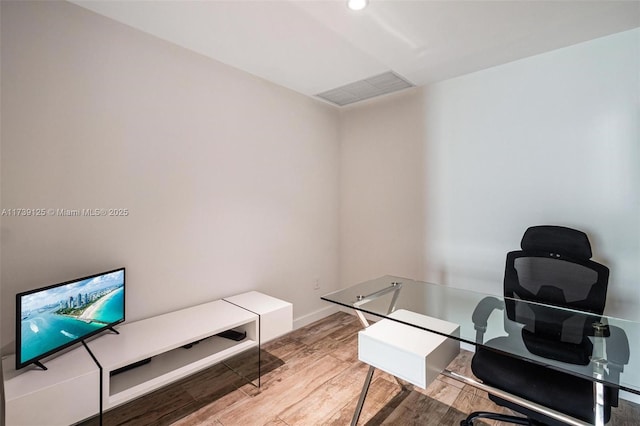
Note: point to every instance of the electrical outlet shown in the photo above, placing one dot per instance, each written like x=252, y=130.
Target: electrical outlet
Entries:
x=316, y=283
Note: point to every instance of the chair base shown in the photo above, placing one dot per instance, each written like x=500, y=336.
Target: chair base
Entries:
x=499, y=417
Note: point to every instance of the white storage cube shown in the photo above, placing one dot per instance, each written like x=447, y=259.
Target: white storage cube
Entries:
x=276, y=316
x=407, y=352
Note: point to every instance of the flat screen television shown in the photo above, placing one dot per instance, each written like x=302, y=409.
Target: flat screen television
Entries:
x=52, y=318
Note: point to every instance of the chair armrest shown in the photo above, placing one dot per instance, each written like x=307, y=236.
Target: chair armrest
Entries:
x=618, y=351
x=481, y=315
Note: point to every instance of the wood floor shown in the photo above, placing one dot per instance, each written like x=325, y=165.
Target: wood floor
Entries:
x=313, y=377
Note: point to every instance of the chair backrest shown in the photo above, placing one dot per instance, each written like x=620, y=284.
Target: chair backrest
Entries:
x=554, y=268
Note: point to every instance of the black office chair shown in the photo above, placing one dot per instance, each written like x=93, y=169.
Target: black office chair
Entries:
x=553, y=268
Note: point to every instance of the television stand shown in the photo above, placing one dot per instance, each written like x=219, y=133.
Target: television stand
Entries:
x=162, y=339
x=33, y=396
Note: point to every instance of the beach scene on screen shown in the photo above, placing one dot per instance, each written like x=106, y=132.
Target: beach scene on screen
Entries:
x=54, y=317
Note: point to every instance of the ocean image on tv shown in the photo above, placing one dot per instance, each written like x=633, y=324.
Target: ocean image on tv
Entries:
x=57, y=316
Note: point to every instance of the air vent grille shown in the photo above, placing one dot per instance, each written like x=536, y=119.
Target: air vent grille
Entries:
x=364, y=89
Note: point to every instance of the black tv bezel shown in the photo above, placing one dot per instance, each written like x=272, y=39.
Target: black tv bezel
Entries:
x=40, y=357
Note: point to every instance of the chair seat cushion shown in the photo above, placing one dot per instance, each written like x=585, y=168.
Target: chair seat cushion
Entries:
x=553, y=389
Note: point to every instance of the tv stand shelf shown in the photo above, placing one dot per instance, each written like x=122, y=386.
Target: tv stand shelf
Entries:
x=162, y=339
x=33, y=396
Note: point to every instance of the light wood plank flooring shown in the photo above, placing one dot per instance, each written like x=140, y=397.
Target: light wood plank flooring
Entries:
x=313, y=377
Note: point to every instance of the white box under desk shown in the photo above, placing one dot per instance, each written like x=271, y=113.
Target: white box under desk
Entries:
x=162, y=338
x=408, y=352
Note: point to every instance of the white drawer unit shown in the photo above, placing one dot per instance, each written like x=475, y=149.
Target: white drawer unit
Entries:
x=407, y=352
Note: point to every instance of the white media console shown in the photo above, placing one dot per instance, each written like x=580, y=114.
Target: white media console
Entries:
x=72, y=381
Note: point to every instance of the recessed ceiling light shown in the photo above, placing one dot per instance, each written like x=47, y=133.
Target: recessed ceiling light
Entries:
x=357, y=4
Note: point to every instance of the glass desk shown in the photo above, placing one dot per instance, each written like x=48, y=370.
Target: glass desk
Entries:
x=482, y=318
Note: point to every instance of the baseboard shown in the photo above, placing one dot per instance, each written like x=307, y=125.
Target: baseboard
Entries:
x=628, y=396
x=468, y=347
x=314, y=316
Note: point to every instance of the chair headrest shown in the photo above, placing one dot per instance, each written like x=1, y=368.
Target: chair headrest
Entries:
x=557, y=239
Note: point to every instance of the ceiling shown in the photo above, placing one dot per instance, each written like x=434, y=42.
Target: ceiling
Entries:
x=316, y=46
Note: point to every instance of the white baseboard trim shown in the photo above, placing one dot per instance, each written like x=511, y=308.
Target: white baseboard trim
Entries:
x=628, y=396
x=468, y=347
x=314, y=316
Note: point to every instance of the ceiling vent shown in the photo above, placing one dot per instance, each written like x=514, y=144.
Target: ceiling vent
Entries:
x=364, y=89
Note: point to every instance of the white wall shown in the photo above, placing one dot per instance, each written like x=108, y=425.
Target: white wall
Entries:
x=231, y=182
x=1, y=372
x=439, y=183
x=382, y=210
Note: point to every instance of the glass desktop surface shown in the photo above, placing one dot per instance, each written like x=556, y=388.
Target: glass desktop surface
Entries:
x=376, y=297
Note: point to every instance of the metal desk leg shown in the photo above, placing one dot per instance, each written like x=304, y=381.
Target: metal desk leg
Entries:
x=361, y=300
x=599, y=362
x=598, y=403
x=363, y=395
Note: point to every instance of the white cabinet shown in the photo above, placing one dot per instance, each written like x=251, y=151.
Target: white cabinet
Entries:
x=72, y=381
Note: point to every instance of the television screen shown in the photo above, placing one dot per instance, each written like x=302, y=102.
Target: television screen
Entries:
x=55, y=317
